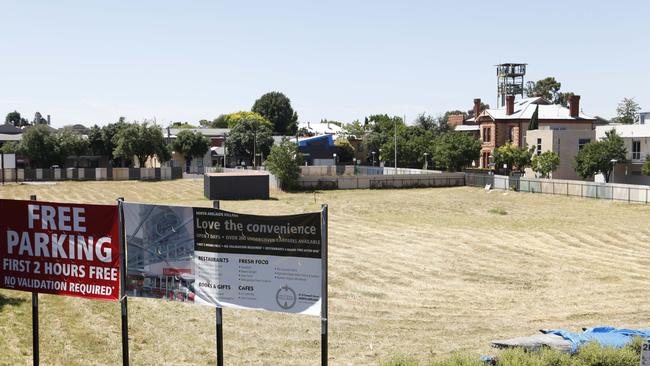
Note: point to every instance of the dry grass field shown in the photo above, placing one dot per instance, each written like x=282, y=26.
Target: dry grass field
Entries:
x=423, y=272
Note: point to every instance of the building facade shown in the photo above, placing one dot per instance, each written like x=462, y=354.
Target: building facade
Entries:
x=565, y=143
x=637, y=144
x=500, y=126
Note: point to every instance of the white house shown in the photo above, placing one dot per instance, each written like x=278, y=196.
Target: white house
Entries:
x=637, y=143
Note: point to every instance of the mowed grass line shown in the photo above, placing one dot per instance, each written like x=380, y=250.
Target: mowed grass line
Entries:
x=423, y=272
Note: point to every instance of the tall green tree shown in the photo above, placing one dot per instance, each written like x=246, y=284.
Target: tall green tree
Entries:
x=516, y=158
x=142, y=141
x=70, y=143
x=627, y=111
x=284, y=162
x=101, y=140
x=453, y=151
x=549, y=89
x=192, y=144
x=600, y=156
x=534, y=120
x=247, y=138
x=15, y=119
x=545, y=163
x=276, y=107
x=39, y=145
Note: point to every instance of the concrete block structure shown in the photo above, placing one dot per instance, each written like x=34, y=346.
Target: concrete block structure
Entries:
x=245, y=185
x=566, y=143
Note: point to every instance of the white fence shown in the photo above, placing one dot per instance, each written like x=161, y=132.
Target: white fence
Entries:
x=382, y=181
x=575, y=188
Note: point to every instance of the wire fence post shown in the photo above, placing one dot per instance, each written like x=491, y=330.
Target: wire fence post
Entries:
x=323, y=314
x=35, y=340
x=123, y=297
x=219, y=319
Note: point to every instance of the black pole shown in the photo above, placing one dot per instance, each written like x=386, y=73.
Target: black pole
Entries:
x=123, y=298
x=324, y=285
x=2, y=163
x=219, y=319
x=35, y=348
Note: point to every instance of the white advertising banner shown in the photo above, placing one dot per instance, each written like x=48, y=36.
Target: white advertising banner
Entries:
x=215, y=257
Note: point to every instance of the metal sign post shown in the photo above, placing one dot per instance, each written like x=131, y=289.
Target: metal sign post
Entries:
x=123, y=298
x=219, y=319
x=324, y=284
x=35, y=348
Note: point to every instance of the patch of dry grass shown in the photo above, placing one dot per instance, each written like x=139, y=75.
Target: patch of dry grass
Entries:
x=418, y=271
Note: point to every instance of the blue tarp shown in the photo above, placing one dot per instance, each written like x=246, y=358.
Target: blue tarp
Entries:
x=605, y=336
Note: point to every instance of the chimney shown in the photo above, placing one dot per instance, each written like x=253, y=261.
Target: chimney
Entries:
x=48, y=119
x=574, y=106
x=510, y=105
x=477, y=107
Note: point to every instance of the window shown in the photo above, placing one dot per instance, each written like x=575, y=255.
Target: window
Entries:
x=539, y=146
x=582, y=143
x=487, y=132
x=642, y=119
x=636, y=150
x=511, y=134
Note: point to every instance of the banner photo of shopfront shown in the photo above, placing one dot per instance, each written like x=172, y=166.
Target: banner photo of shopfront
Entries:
x=60, y=248
x=215, y=257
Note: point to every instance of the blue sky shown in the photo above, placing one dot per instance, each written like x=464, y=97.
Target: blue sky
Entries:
x=93, y=61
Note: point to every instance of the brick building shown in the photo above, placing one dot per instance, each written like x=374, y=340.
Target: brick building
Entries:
x=499, y=126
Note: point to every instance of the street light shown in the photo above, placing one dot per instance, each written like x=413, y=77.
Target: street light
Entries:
x=373, y=158
x=426, y=161
x=334, y=156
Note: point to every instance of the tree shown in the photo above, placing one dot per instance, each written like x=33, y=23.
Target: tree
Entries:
x=355, y=129
x=249, y=137
x=545, y=163
x=140, y=140
x=101, y=139
x=600, y=156
x=181, y=125
x=9, y=147
x=191, y=144
x=645, y=168
x=284, y=162
x=70, y=143
x=276, y=107
x=534, y=120
x=233, y=119
x=549, y=89
x=516, y=158
x=38, y=119
x=15, y=119
x=627, y=111
x=344, y=150
x=39, y=146
x=455, y=150
x=219, y=122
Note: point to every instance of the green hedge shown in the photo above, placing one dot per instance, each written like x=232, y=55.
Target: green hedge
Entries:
x=591, y=354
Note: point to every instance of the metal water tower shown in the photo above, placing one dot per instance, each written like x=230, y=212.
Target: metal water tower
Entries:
x=510, y=81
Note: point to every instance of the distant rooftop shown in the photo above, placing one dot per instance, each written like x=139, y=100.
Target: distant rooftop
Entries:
x=524, y=109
